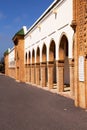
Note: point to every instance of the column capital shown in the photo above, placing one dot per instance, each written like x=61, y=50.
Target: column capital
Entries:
x=60, y=63
x=50, y=63
x=32, y=65
x=37, y=64
x=25, y=65
x=28, y=65
x=71, y=62
x=43, y=64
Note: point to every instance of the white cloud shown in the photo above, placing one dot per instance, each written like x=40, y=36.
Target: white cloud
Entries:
x=2, y=16
x=17, y=20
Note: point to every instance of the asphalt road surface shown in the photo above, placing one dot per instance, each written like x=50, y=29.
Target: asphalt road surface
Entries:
x=25, y=107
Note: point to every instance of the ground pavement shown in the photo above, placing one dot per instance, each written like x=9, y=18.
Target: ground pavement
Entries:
x=26, y=107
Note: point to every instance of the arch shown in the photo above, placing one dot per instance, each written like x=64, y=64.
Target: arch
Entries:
x=63, y=56
x=44, y=76
x=33, y=56
x=52, y=51
x=38, y=55
x=33, y=77
x=38, y=72
x=52, y=58
x=26, y=58
x=44, y=53
x=29, y=57
x=63, y=47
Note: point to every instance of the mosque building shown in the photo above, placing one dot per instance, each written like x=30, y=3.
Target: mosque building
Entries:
x=52, y=53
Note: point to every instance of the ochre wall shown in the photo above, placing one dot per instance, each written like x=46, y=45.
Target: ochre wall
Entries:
x=80, y=16
x=19, y=57
x=6, y=64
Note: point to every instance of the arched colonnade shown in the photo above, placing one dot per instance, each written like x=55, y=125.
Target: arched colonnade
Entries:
x=51, y=66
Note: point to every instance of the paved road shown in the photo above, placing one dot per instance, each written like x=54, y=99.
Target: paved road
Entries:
x=25, y=107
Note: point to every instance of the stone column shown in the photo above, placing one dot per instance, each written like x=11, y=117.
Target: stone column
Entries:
x=37, y=66
x=25, y=72
x=32, y=73
x=17, y=73
x=43, y=74
x=60, y=75
x=71, y=67
x=29, y=73
x=50, y=66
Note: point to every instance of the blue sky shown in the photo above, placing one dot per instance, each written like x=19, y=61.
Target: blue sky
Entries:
x=17, y=13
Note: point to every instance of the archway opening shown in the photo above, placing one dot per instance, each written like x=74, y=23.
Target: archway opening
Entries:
x=38, y=55
x=33, y=57
x=44, y=60
x=26, y=58
x=29, y=58
x=63, y=56
x=29, y=66
x=52, y=58
x=44, y=53
x=38, y=73
x=33, y=77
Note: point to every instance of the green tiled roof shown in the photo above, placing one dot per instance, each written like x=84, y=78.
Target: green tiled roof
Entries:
x=6, y=52
x=20, y=32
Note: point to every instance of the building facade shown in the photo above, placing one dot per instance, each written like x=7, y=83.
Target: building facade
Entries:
x=52, y=52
